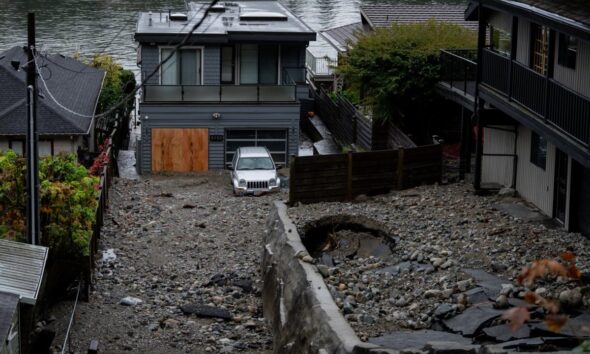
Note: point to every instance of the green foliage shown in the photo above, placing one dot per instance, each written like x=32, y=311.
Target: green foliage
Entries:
x=395, y=69
x=68, y=197
x=118, y=84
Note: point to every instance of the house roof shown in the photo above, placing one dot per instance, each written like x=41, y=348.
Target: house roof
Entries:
x=341, y=37
x=258, y=20
x=384, y=15
x=73, y=84
x=22, y=266
x=570, y=16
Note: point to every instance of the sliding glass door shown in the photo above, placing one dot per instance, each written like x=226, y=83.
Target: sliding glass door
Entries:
x=259, y=64
x=183, y=68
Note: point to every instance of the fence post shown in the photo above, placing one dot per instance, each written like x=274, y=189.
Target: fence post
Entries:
x=400, y=168
x=349, y=176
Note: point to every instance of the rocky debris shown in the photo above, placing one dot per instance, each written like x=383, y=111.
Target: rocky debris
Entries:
x=172, y=256
x=454, y=252
x=503, y=332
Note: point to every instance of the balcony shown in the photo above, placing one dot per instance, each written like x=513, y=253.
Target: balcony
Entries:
x=219, y=93
x=546, y=99
x=320, y=67
x=459, y=73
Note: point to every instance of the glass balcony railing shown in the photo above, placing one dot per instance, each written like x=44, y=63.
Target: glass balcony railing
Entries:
x=219, y=93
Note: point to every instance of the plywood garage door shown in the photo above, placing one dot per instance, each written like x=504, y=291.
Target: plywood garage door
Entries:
x=180, y=150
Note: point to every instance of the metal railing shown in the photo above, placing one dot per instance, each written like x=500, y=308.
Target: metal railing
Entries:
x=459, y=69
x=548, y=99
x=219, y=93
x=319, y=66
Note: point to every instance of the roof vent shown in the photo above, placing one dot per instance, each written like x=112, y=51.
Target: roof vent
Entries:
x=263, y=16
x=178, y=17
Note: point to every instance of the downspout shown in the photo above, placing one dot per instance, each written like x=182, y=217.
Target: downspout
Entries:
x=478, y=105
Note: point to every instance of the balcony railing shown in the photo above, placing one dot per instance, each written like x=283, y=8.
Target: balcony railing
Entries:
x=319, y=66
x=549, y=100
x=459, y=69
x=219, y=93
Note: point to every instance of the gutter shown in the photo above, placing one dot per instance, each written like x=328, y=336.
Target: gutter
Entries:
x=96, y=103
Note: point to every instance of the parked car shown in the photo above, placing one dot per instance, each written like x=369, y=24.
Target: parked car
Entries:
x=253, y=171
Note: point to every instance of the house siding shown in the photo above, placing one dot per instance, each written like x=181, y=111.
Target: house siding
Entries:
x=578, y=79
x=533, y=183
x=150, y=58
x=212, y=65
x=498, y=169
x=234, y=116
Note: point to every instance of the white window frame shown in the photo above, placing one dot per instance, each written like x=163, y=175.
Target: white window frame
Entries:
x=201, y=72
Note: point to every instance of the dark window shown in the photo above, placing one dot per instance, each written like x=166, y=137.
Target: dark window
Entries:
x=500, y=41
x=227, y=65
x=538, y=150
x=568, y=51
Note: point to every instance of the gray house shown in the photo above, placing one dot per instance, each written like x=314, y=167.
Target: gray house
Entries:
x=73, y=84
x=531, y=83
x=238, y=82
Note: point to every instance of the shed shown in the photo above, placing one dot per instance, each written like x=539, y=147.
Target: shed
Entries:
x=21, y=269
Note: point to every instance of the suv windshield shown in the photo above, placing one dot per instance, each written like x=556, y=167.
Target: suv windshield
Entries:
x=255, y=163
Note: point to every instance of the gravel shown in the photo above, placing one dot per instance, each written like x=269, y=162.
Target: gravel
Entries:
x=180, y=272
x=441, y=231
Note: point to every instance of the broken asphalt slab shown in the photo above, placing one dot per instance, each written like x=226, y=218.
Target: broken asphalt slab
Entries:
x=205, y=311
x=416, y=339
x=470, y=321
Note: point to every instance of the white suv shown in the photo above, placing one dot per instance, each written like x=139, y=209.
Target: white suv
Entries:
x=253, y=171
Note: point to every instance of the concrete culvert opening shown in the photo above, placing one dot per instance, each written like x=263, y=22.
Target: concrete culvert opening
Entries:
x=334, y=238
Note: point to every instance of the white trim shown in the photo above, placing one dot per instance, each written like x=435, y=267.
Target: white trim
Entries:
x=202, y=61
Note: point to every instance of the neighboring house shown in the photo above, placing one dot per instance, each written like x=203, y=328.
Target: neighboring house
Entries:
x=238, y=82
x=375, y=16
x=533, y=103
x=74, y=85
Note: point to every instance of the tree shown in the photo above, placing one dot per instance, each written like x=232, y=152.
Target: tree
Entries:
x=395, y=69
x=118, y=84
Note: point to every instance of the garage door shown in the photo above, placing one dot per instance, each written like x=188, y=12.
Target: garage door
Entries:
x=274, y=140
x=180, y=150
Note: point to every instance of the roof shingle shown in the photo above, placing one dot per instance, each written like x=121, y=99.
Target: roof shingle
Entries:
x=73, y=84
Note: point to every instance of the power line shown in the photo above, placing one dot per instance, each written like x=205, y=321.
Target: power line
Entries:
x=145, y=80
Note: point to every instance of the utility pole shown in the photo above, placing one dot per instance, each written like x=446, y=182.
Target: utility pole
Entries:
x=33, y=228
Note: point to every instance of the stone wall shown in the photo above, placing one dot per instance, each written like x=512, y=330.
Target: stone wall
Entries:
x=304, y=317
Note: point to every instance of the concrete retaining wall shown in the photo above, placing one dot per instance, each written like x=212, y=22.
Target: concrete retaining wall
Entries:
x=304, y=317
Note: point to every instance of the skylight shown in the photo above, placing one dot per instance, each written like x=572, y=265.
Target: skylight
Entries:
x=263, y=16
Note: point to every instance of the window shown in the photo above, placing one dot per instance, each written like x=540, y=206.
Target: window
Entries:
x=568, y=50
x=538, y=150
x=259, y=64
x=227, y=65
x=184, y=68
x=500, y=41
x=539, y=48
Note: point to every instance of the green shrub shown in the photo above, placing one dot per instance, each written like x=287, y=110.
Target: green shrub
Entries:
x=68, y=201
x=395, y=69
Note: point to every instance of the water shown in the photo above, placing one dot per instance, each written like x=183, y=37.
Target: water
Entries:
x=95, y=26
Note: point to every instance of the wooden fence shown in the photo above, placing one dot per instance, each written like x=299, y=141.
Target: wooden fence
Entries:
x=349, y=126
x=109, y=170
x=344, y=176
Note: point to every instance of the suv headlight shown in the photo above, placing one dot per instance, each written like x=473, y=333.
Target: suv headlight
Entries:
x=272, y=182
x=242, y=183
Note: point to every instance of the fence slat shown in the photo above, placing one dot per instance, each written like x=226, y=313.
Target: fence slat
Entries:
x=344, y=176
